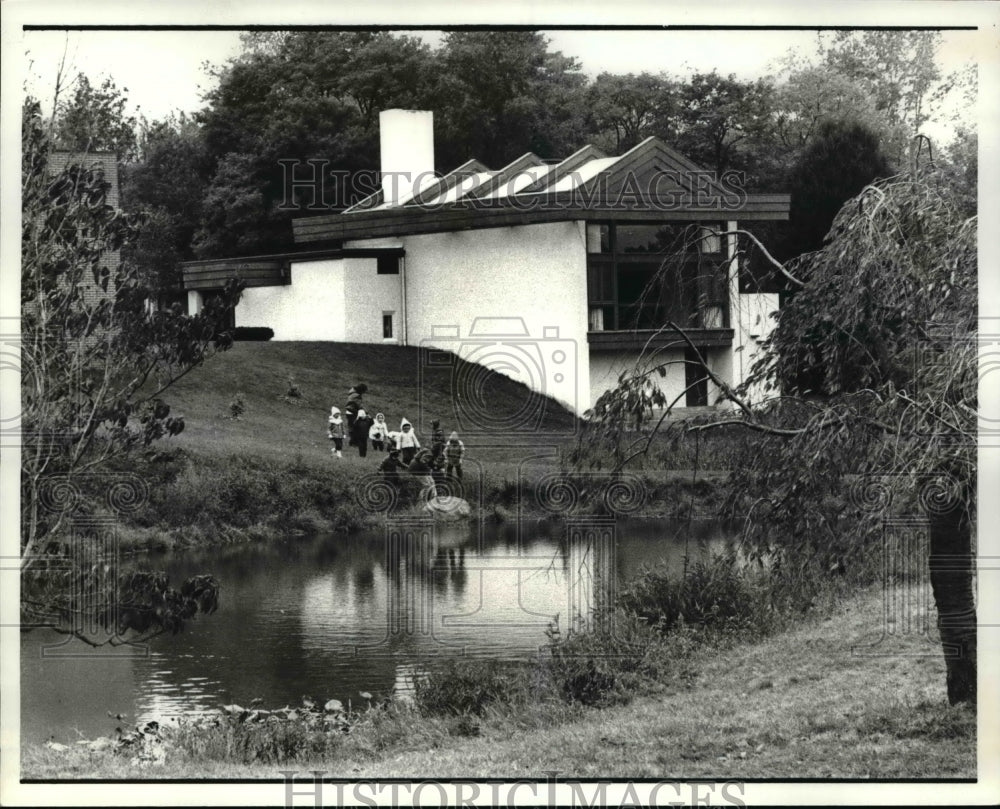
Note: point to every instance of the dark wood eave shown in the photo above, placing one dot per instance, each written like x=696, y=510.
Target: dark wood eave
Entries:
x=472, y=214
x=648, y=338
x=268, y=270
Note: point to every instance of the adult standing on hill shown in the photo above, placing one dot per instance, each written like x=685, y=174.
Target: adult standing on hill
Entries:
x=353, y=406
x=359, y=432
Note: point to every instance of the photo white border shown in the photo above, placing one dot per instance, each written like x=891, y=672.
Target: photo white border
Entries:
x=548, y=14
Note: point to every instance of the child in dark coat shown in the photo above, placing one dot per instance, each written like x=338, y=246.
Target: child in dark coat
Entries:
x=353, y=406
x=422, y=469
x=391, y=468
x=437, y=439
x=359, y=432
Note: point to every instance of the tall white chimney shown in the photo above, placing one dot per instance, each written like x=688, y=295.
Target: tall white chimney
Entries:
x=406, y=138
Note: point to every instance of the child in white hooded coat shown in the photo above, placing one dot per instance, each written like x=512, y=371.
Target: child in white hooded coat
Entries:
x=379, y=433
x=335, y=431
x=407, y=441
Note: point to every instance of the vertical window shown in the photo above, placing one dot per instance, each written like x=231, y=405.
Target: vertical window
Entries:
x=711, y=242
x=598, y=238
x=387, y=325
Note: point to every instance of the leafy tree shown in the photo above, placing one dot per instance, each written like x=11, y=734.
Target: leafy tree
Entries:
x=628, y=108
x=722, y=121
x=961, y=165
x=498, y=93
x=886, y=313
x=94, y=119
x=842, y=159
x=896, y=67
x=813, y=96
x=306, y=96
x=167, y=185
x=97, y=364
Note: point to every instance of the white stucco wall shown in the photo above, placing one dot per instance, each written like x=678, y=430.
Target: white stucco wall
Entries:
x=755, y=324
x=311, y=307
x=456, y=282
x=367, y=296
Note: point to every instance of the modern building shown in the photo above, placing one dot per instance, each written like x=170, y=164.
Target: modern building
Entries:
x=557, y=274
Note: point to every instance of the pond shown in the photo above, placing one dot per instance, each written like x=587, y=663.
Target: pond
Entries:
x=332, y=616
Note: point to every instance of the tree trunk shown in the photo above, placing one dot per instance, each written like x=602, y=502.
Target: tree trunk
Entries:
x=951, y=571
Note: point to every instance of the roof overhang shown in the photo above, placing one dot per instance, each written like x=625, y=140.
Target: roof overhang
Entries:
x=530, y=209
x=267, y=270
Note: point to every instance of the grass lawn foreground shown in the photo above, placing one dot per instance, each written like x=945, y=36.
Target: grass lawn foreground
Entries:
x=797, y=705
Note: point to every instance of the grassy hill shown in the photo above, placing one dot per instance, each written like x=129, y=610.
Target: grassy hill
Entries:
x=275, y=425
x=270, y=471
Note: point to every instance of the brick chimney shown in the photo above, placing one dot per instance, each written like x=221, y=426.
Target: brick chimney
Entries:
x=406, y=138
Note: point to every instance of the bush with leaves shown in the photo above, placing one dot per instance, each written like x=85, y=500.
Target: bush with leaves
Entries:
x=96, y=363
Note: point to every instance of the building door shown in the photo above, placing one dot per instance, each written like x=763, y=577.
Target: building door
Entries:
x=695, y=380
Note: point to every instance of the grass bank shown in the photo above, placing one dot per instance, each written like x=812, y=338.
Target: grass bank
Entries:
x=269, y=473
x=814, y=700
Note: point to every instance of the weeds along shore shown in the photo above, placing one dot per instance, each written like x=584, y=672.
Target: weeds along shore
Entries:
x=198, y=500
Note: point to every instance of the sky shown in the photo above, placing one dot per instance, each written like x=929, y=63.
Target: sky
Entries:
x=164, y=70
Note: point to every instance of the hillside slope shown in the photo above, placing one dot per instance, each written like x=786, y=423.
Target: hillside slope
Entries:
x=488, y=409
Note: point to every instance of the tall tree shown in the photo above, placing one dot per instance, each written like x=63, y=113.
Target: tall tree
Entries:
x=310, y=96
x=812, y=96
x=496, y=93
x=167, y=185
x=897, y=69
x=628, y=108
x=95, y=119
x=722, y=121
x=841, y=160
x=97, y=365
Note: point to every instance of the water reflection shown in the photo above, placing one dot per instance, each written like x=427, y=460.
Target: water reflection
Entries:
x=339, y=615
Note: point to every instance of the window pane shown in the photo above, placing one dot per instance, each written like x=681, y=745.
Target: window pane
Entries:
x=598, y=239
x=711, y=242
x=388, y=265
x=600, y=280
x=387, y=326
x=661, y=238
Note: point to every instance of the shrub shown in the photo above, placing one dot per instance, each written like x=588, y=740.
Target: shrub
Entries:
x=607, y=665
x=238, y=406
x=470, y=687
x=718, y=594
x=252, y=333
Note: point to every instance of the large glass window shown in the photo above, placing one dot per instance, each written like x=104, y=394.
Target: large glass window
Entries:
x=640, y=276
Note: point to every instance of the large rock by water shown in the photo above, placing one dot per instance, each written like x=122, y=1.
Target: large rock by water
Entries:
x=448, y=508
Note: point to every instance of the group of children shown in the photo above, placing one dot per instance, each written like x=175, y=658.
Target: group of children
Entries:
x=434, y=465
